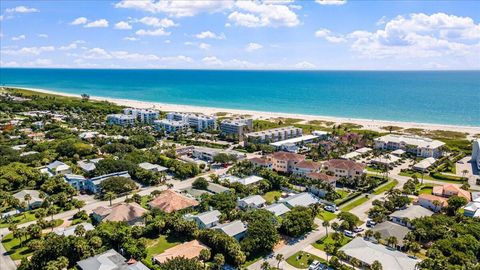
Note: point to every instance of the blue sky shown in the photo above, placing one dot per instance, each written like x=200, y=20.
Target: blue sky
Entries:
x=270, y=34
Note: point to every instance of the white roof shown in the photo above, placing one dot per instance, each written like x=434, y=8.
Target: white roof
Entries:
x=150, y=166
x=277, y=209
x=233, y=228
x=28, y=153
x=364, y=150
x=425, y=163
x=254, y=199
x=369, y=252
x=388, y=159
x=295, y=140
x=350, y=155
x=411, y=140
x=208, y=217
x=33, y=193
x=252, y=179
x=300, y=199
x=271, y=131
x=71, y=230
x=319, y=132
x=398, y=152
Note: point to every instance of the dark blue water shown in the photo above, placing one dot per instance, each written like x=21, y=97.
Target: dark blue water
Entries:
x=444, y=97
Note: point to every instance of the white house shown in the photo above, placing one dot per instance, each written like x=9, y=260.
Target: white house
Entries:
x=251, y=202
x=301, y=199
x=278, y=209
x=152, y=167
x=235, y=229
x=206, y=220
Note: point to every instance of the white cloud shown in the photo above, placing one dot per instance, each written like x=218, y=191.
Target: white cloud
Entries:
x=327, y=34
x=156, y=32
x=212, y=61
x=17, y=38
x=156, y=22
x=102, y=23
x=100, y=53
x=41, y=62
x=123, y=25
x=177, y=59
x=79, y=20
x=177, y=8
x=209, y=34
x=304, y=65
x=71, y=46
x=42, y=35
x=331, y=2
x=201, y=45
x=29, y=50
x=262, y=14
x=253, y=47
x=21, y=9
x=130, y=38
x=9, y=64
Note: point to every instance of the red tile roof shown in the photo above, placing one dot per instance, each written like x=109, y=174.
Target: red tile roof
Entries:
x=321, y=177
x=307, y=164
x=170, y=201
x=287, y=156
x=261, y=161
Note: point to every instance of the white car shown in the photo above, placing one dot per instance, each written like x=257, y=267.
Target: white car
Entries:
x=314, y=265
x=349, y=233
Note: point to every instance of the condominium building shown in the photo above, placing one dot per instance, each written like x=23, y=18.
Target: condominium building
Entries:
x=198, y=122
x=170, y=126
x=344, y=168
x=285, y=161
x=121, y=119
x=236, y=127
x=142, y=115
x=476, y=153
x=419, y=146
x=274, y=135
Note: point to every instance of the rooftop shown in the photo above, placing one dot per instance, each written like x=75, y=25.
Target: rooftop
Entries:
x=300, y=199
x=109, y=260
x=188, y=250
x=411, y=140
x=170, y=201
x=254, y=199
x=232, y=228
x=277, y=209
x=412, y=212
x=120, y=212
x=388, y=229
x=344, y=164
x=295, y=140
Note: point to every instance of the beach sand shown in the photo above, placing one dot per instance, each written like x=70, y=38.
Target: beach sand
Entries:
x=368, y=124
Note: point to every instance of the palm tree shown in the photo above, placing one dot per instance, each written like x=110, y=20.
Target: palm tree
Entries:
x=205, y=256
x=110, y=196
x=464, y=172
x=392, y=241
x=80, y=230
x=355, y=262
x=325, y=224
x=279, y=257
x=377, y=236
x=28, y=198
x=335, y=226
x=265, y=266
x=376, y=265
x=368, y=234
x=316, y=208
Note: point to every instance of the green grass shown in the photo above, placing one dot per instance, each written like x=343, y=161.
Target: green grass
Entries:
x=159, y=245
x=270, y=196
x=391, y=184
x=327, y=216
x=419, y=175
x=12, y=245
x=354, y=203
x=371, y=169
x=304, y=259
x=320, y=244
x=19, y=219
x=425, y=190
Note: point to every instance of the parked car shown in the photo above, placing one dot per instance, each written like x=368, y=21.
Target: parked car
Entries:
x=349, y=233
x=371, y=223
x=329, y=208
x=314, y=265
x=357, y=230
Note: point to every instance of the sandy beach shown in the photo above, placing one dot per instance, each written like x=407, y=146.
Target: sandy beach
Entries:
x=369, y=124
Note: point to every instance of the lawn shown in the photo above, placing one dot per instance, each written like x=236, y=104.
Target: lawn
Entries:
x=271, y=195
x=425, y=190
x=419, y=175
x=370, y=169
x=12, y=245
x=385, y=187
x=320, y=244
x=325, y=215
x=303, y=259
x=354, y=204
x=160, y=244
x=19, y=219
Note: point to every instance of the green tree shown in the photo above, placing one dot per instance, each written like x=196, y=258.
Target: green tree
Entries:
x=110, y=196
x=376, y=265
x=297, y=221
x=454, y=203
x=262, y=234
x=200, y=183
x=118, y=185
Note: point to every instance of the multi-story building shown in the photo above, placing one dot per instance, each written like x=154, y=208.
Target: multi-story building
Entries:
x=476, y=152
x=170, y=126
x=198, y=122
x=236, y=127
x=344, y=168
x=284, y=161
x=419, y=146
x=121, y=119
x=274, y=135
x=143, y=115
x=305, y=167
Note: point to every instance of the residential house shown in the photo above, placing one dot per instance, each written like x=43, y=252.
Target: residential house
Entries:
x=278, y=209
x=170, y=201
x=319, y=180
x=88, y=165
x=71, y=230
x=152, y=167
x=284, y=161
x=388, y=229
x=344, y=168
x=79, y=182
x=93, y=184
x=250, y=180
x=206, y=220
x=472, y=209
x=35, y=200
x=451, y=190
x=261, y=162
x=419, y=146
x=432, y=202
x=301, y=199
x=56, y=167
x=208, y=154
x=110, y=260
x=188, y=250
x=236, y=229
x=132, y=213
x=386, y=160
x=251, y=202
x=404, y=216
x=423, y=165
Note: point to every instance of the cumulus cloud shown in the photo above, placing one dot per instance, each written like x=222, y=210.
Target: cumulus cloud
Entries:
x=130, y=38
x=21, y=9
x=209, y=34
x=200, y=45
x=327, y=35
x=29, y=50
x=263, y=14
x=79, y=20
x=100, y=53
x=121, y=25
x=20, y=37
x=102, y=23
x=156, y=32
x=331, y=2
x=177, y=8
x=156, y=22
x=253, y=47
x=42, y=35
x=71, y=46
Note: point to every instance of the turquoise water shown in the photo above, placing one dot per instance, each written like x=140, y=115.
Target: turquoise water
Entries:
x=446, y=97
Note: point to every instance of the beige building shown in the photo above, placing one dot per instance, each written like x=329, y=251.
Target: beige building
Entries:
x=274, y=135
x=344, y=168
x=284, y=161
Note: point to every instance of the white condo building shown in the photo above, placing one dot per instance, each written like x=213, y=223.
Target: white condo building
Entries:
x=236, y=126
x=170, y=126
x=142, y=115
x=199, y=122
x=274, y=135
x=476, y=153
x=420, y=146
x=121, y=119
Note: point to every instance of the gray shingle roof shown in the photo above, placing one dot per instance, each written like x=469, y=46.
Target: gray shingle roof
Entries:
x=389, y=228
x=277, y=209
x=233, y=228
x=109, y=260
x=300, y=199
x=208, y=217
x=414, y=211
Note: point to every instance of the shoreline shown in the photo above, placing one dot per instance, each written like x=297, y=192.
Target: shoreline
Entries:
x=368, y=124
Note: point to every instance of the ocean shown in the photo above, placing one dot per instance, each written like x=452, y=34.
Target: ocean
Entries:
x=437, y=97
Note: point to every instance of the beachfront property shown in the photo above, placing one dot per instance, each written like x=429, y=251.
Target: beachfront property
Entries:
x=170, y=201
x=236, y=229
x=236, y=127
x=476, y=153
x=121, y=119
x=251, y=202
x=110, y=259
x=320, y=134
x=424, y=164
x=419, y=146
x=404, y=216
x=274, y=135
x=284, y=161
x=146, y=116
x=300, y=199
x=367, y=252
x=206, y=220
x=198, y=122
x=293, y=144
x=35, y=200
x=132, y=213
x=93, y=184
x=170, y=126
x=344, y=168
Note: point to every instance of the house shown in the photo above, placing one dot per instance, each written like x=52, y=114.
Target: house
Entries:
x=404, y=216
x=236, y=229
x=56, y=167
x=261, y=162
x=368, y=252
x=121, y=119
x=206, y=220
x=359, y=152
x=284, y=161
x=304, y=167
x=152, y=167
x=236, y=127
x=198, y=122
x=344, y=168
x=142, y=115
x=432, y=202
x=251, y=202
x=88, y=165
x=301, y=199
x=170, y=201
x=35, y=200
x=71, y=230
x=388, y=229
x=472, y=209
x=424, y=164
x=418, y=146
x=274, y=135
x=132, y=213
x=188, y=250
x=79, y=182
x=318, y=180
x=93, y=184
x=278, y=209
x=398, y=152
x=110, y=260
x=170, y=126
x=250, y=180
x=209, y=154
x=451, y=190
